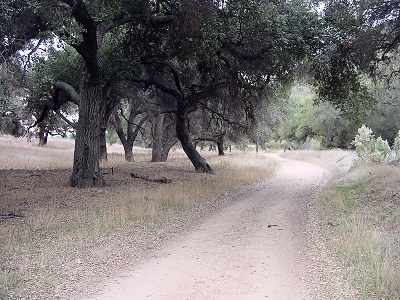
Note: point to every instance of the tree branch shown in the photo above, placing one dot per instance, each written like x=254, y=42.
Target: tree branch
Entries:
x=69, y=91
x=64, y=118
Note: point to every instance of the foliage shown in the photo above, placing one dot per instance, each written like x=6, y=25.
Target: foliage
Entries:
x=307, y=120
x=383, y=118
x=59, y=65
x=370, y=148
x=12, y=94
x=364, y=142
x=381, y=151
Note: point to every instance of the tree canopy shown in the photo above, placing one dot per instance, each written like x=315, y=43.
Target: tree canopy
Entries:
x=208, y=66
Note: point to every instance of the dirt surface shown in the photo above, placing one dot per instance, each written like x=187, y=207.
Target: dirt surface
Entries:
x=57, y=242
x=253, y=249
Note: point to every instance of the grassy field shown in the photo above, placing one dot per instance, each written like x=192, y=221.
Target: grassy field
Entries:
x=362, y=215
x=64, y=239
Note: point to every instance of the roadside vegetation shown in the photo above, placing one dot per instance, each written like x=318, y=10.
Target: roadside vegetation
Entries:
x=360, y=216
x=361, y=220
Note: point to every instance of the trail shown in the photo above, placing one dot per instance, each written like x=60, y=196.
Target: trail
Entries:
x=252, y=249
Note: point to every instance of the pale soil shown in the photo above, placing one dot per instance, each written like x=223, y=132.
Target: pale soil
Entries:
x=217, y=248
x=65, y=241
x=237, y=254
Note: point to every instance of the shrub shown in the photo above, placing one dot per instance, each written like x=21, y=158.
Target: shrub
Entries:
x=381, y=151
x=370, y=148
x=313, y=143
x=364, y=142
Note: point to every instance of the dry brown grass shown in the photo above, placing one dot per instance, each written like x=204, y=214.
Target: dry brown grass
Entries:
x=68, y=237
x=364, y=209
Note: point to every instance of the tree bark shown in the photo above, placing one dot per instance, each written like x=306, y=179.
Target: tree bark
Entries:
x=157, y=132
x=220, y=146
x=103, y=143
x=128, y=139
x=164, y=139
x=165, y=153
x=86, y=171
x=103, y=129
x=129, y=153
x=182, y=133
x=43, y=135
x=121, y=134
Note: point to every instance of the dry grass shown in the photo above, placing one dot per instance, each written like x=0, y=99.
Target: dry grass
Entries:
x=68, y=237
x=363, y=211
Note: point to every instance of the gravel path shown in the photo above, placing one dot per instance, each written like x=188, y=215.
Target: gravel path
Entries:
x=253, y=249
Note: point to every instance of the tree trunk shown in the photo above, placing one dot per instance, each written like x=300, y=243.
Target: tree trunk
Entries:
x=182, y=133
x=220, y=146
x=164, y=154
x=103, y=143
x=43, y=135
x=164, y=139
x=257, y=144
x=121, y=134
x=166, y=148
x=157, y=132
x=128, y=153
x=103, y=129
x=86, y=171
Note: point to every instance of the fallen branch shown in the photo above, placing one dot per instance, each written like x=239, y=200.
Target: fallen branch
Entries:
x=108, y=171
x=147, y=178
x=10, y=216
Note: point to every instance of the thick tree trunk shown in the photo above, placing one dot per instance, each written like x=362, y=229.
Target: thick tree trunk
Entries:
x=103, y=143
x=220, y=145
x=182, y=133
x=164, y=139
x=86, y=171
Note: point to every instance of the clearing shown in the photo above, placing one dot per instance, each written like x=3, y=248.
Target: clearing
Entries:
x=246, y=233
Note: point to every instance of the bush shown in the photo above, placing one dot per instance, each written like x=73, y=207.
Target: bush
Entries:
x=314, y=143
x=381, y=151
x=370, y=148
x=364, y=142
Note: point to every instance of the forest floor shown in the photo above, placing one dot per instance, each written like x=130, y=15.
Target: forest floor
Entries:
x=253, y=231
x=58, y=242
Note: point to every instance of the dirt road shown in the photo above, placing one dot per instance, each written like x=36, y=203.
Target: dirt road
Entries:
x=251, y=250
